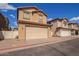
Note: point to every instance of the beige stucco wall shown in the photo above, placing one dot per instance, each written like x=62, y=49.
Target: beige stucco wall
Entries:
x=21, y=13
x=57, y=33
x=53, y=28
x=33, y=17
x=8, y=34
x=22, y=32
x=62, y=24
x=59, y=23
x=50, y=32
x=55, y=24
x=73, y=26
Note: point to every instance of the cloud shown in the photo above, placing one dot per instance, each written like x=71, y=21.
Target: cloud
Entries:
x=12, y=16
x=15, y=23
x=4, y=10
x=6, y=6
x=49, y=19
x=74, y=18
x=12, y=27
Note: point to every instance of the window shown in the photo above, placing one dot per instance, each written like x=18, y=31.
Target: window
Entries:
x=40, y=18
x=65, y=23
x=69, y=26
x=27, y=15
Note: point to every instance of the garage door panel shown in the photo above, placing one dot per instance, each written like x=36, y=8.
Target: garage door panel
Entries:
x=65, y=33
x=35, y=33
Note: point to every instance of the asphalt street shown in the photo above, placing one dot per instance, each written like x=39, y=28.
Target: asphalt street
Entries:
x=67, y=48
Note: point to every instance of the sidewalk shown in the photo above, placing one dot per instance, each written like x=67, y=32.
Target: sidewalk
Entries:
x=11, y=45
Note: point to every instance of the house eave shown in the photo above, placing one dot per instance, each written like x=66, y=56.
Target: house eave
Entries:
x=33, y=23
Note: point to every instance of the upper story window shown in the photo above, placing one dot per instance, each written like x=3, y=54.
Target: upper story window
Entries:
x=65, y=24
x=27, y=15
x=40, y=18
x=69, y=26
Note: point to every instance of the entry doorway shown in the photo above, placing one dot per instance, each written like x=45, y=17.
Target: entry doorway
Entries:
x=76, y=32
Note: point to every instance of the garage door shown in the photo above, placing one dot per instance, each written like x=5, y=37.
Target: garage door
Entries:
x=65, y=33
x=36, y=33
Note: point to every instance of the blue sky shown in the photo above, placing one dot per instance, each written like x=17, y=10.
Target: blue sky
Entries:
x=53, y=10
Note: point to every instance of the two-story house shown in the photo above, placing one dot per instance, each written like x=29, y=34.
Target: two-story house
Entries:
x=74, y=27
x=59, y=27
x=32, y=23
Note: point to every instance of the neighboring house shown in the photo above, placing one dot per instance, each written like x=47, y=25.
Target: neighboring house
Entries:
x=32, y=23
x=59, y=27
x=4, y=22
x=74, y=27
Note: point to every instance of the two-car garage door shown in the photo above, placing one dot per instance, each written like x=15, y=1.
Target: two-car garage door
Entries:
x=64, y=32
x=36, y=33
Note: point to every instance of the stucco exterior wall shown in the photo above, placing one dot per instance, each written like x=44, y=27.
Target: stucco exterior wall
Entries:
x=49, y=32
x=22, y=32
x=73, y=26
x=33, y=17
x=8, y=34
x=59, y=24
x=58, y=33
x=62, y=23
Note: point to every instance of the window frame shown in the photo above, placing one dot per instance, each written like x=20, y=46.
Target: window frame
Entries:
x=27, y=17
x=40, y=18
x=65, y=23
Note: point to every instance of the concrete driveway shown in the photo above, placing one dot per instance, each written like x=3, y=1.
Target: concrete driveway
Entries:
x=66, y=48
